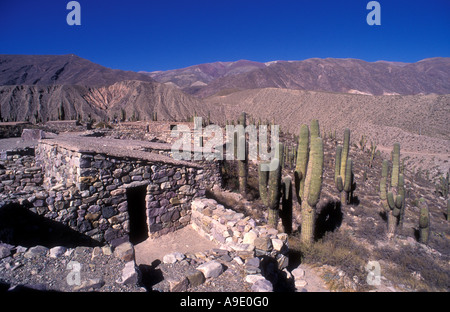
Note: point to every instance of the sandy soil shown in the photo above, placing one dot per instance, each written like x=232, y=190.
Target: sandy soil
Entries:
x=185, y=240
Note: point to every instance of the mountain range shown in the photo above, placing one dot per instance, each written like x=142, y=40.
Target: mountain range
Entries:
x=331, y=75
x=386, y=101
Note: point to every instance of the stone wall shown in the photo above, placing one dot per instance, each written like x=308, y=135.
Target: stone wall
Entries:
x=88, y=191
x=238, y=233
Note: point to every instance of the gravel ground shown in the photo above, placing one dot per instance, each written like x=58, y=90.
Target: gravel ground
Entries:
x=97, y=271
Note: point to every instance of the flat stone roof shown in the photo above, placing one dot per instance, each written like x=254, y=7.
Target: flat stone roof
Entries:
x=117, y=148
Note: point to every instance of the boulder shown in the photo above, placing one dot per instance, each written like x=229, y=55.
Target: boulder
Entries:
x=211, y=268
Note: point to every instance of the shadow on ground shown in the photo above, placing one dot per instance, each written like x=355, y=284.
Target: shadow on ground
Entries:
x=19, y=226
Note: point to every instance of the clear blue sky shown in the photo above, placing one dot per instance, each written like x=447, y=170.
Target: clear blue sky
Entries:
x=160, y=35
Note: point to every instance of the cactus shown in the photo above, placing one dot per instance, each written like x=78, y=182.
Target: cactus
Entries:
x=270, y=189
x=345, y=150
x=348, y=185
x=312, y=189
x=302, y=161
x=448, y=209
x=373, y=151
x=424, y=222
x=395, y=165
x=243, y=163
x=343, y=175
x=315, y=130
x=394, y=196
x=286, y=204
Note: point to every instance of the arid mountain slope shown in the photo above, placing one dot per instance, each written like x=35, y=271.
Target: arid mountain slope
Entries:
x=192, y=78
x=419, y=123
x=334, y=75
x=135, y=98
x=59, y=70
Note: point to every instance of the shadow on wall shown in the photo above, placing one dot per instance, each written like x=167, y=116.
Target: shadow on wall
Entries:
x=19, y=226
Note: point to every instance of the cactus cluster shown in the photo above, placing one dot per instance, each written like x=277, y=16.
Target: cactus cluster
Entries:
x=308, y=177
x=392, y=193
x=270, y=188
x=343, y=173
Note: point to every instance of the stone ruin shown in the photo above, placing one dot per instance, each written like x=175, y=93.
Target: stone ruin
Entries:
x=119, y=191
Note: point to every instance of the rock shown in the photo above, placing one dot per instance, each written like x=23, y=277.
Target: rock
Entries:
x=211, y=269
x=262, y=285
x=249, y=238
x=263, y=243
x=173, y=257
x=96, y=252
x=90, y=284
x=277, y=244
x=36, y=251
x=300, y=283
x=253, y=278
x=5, y=251
x=195, y=278
x=253, y=262
x=107, y=250
x=177, y=284
x=298, y=273
x=124, y=251
x=130, y=274
x=57, y=251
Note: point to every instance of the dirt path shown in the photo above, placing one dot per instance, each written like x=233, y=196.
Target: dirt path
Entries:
x=185, y=240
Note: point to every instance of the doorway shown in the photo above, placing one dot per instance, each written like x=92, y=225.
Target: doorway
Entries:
x=137, y=213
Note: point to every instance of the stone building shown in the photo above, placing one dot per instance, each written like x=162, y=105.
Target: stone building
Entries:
x=117, y=190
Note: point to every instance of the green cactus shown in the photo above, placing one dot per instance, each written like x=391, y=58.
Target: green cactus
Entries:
x=424, y=222
x=243, y=163
x=343, y=175
x=448, y=209
x=344, y=155
x=395, y=165
x=270, y=188
x=348, y=185
x=312, y=189
x=337, y=170
x=302, y=161
x=394, y=196
x=315, y=130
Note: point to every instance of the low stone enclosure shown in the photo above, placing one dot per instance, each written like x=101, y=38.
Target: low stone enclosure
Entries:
x=115, y=190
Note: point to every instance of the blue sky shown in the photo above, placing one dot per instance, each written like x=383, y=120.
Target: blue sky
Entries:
x=160, y=35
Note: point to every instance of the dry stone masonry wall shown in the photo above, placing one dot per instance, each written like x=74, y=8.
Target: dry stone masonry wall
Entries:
x=238, y=233
x=88, y=191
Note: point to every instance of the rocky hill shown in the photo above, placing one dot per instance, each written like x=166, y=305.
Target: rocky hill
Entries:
x=59, y=70
x=334, y=75
x=130, y=99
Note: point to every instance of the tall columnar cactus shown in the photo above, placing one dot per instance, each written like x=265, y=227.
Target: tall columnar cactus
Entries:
x=448, y=209
x=383, y=182
x=395, y=165
x=243, y=163
x=345, y=150
x=286, y=204
x=394, y=192
x=343, y=175
x=348, y=185
x=270, y=188
x=424, y=222
x=312, y=189
x=315, y=130
x=302, y=161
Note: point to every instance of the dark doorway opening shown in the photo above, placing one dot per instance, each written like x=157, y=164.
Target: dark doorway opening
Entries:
x=137, y=213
